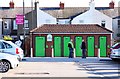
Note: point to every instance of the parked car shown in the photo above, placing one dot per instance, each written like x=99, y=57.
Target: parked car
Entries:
x=116, y=46
x=10, y=47
x=115, y=51
x=8, y=61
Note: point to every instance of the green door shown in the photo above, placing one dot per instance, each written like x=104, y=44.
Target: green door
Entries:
x=78, y=41
x=66, y=49
x=103, y=47
x=40, y=46
x=57, y=46
x=90, y=43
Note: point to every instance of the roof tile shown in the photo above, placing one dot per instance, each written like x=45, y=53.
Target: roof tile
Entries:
x=70, y=28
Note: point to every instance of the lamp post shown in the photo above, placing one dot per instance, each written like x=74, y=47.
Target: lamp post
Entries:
x=24, y=26
x=31, y=28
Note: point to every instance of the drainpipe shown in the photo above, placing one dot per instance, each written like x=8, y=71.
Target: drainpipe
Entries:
x=36, y=11
x=0, y=28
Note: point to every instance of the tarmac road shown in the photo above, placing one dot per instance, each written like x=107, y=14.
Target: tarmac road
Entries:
x=64, y=67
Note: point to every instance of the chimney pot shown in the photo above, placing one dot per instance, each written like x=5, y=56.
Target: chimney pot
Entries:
x=11, y=4
x=111, y=5
x=61, y=5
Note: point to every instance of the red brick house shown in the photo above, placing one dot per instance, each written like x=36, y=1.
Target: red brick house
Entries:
x=56, y=37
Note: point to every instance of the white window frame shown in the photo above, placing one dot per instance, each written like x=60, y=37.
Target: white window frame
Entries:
x=6, y=25
x=103, y=22
x=81, y=21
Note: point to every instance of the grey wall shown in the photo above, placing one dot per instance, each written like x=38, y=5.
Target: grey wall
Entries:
x=32, y=23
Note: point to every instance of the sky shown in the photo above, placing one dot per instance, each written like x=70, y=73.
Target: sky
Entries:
x=55, y=3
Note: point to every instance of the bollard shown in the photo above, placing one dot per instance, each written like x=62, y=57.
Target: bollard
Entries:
x=52, y=52
x=98, y=53
x=74, y=53
x=31, y=52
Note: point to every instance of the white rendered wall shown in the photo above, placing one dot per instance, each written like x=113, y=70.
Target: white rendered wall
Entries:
x=44, y=18
x=92, y=16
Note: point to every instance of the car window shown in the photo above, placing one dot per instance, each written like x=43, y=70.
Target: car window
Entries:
x=116, y=46
x=2, y=45
x=7, y=45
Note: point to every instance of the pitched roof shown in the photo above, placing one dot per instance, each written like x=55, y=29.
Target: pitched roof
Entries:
x=70, y=28
x=12, y=12
x=69, y=12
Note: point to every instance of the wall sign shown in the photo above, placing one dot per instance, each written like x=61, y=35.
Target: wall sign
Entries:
x=19, y=19
x=49, y=37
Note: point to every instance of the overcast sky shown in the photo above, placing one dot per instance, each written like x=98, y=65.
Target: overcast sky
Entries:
x=55, y=3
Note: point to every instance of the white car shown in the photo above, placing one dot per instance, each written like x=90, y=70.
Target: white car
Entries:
x=8, y=61
x=10, y=47
x=115, y=51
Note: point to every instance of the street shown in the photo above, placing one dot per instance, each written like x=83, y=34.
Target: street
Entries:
x=91, y=67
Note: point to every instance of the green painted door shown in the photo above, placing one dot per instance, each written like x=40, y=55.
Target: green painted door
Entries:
x=66, y=49
x=57, y=46
x=40, y=46
x=103, y=47
x=78, y=41
x=90, y=49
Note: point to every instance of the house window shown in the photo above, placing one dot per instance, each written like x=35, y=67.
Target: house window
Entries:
x=103, y=22
x=26, y=23
x=15, y=26
x=6, y=26
x=67, y=22
x=81, y=21
x=47, y=21
x=63, y=22
x=119, y=24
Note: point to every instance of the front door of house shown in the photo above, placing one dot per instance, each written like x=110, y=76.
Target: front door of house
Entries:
x=57, y=46
x=90, y=48
x=66, y=49
x=78, y=41
x=103, y=47
x=40, y=46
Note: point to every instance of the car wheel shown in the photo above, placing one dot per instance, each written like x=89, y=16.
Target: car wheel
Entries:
x=4, y=66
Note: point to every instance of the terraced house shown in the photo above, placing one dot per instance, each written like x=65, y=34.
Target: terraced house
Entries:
x=51, y=28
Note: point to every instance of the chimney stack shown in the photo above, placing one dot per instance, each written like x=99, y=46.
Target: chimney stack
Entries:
x=36, y=5
x=111, y=4
x=11, y=4
x=92, y=5
x=61, y=5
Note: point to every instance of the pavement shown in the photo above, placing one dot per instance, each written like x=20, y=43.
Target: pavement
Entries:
x=63, y=59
